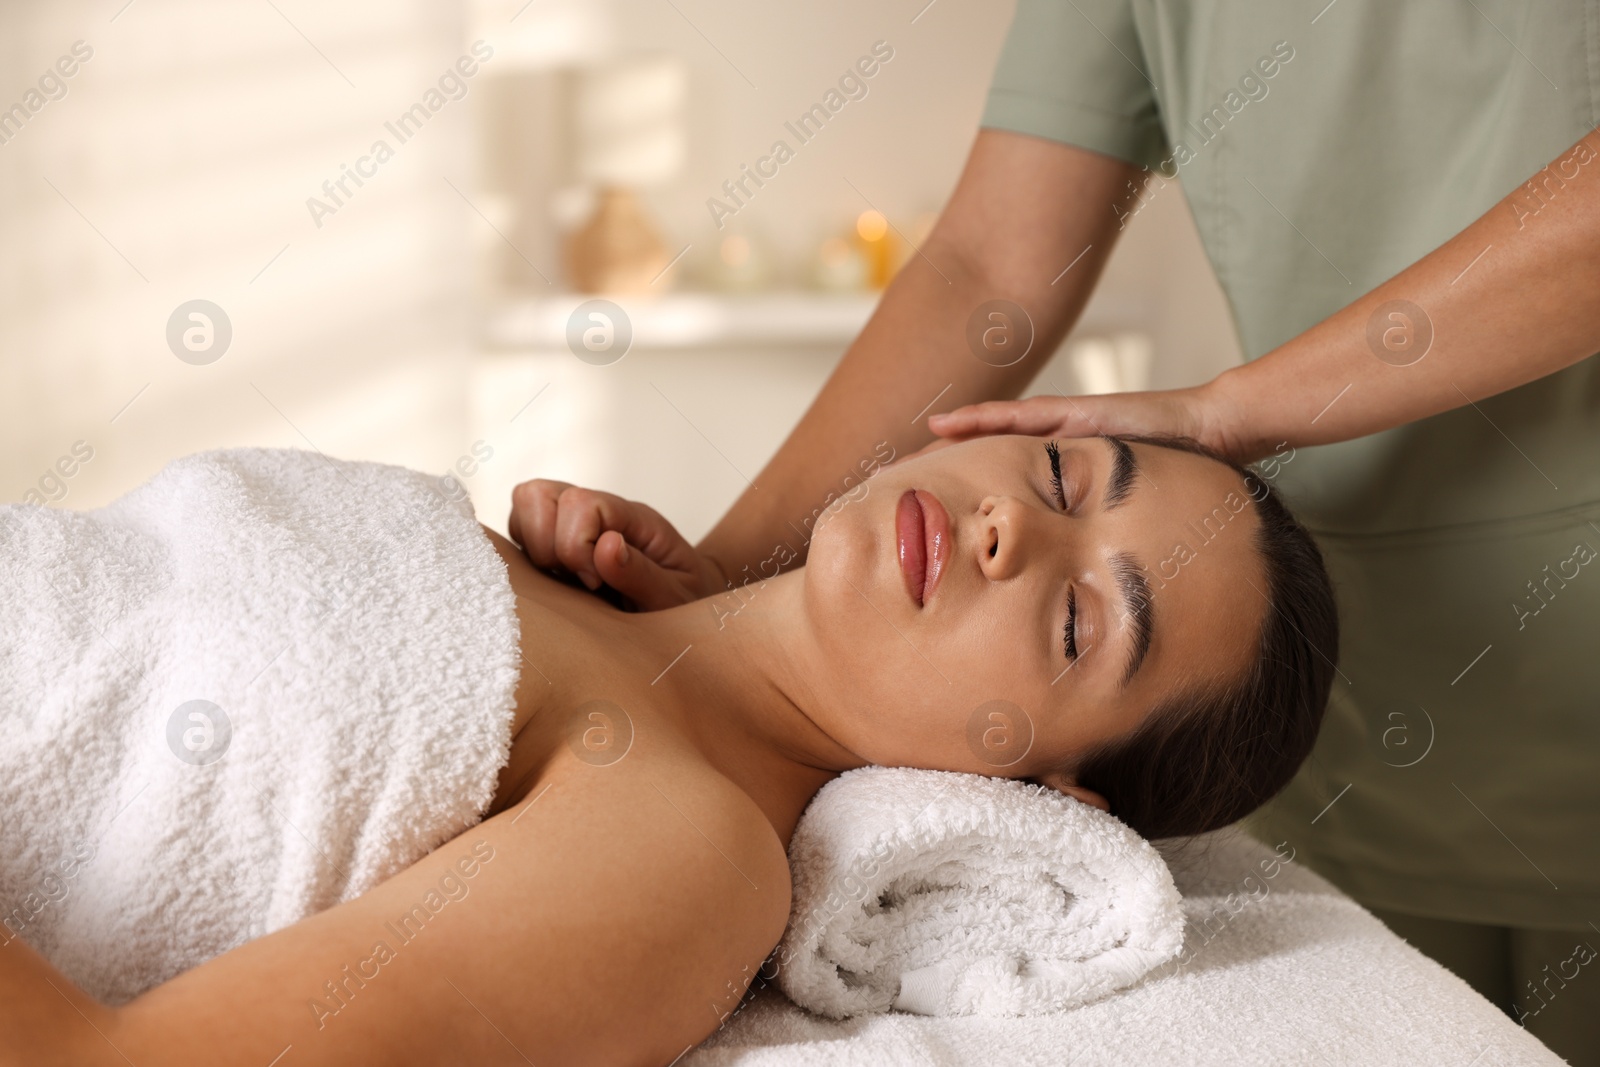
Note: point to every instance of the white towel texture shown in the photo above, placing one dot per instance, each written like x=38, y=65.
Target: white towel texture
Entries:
x=958, y=894
x=252, y=688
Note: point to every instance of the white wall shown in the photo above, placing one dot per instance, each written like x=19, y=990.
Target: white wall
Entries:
x=177, y=166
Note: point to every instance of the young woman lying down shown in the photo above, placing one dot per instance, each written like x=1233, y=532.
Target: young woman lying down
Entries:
x=1159, y=627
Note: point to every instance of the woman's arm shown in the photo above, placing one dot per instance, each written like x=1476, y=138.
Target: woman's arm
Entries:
x=45, y=1020
x=1513, y=297
x=596, y=926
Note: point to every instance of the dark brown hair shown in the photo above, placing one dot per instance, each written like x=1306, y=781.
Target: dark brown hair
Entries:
x=1204, y=759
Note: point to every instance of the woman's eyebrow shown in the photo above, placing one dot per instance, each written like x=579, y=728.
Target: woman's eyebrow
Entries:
x=1124, y=468
x=1136, y=608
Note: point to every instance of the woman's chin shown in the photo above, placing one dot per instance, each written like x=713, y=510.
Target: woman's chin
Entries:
x=845, y=574
x=840, y=531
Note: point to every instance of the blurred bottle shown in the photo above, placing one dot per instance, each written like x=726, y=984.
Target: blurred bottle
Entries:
x=878, y=247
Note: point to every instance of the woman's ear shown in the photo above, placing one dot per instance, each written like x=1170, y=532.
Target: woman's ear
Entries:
x=1065, y=783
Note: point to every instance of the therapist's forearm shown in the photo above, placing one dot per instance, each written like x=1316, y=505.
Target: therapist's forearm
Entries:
x=908, y=352
x=1024, y=208
x=1512, y=298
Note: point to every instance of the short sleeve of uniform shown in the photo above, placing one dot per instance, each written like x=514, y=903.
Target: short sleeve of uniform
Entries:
x=1073, y=71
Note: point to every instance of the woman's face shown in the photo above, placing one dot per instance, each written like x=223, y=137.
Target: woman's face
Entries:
x=977, y=612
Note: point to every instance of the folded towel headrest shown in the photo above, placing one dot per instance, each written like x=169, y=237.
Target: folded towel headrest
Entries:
x=959, y=894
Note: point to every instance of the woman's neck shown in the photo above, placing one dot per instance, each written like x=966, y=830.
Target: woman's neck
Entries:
x=729, y=676
x=733, y=677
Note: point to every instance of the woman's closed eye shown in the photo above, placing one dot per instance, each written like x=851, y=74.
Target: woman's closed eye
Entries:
x=1070, y=631
x=1069, y=635
x=1053, y=450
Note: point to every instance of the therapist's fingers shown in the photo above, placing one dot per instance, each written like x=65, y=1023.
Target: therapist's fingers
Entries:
x=582, y=515
x=532, y=524
x=1038, y=416
x=636, y=576
x=1186, y=413
x=602, y=538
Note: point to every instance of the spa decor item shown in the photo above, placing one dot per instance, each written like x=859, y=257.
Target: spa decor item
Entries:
x=617, y=250
x=879, y=247
x=628, y=125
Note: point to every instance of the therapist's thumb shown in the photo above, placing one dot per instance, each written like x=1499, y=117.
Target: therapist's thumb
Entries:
x=636, y=576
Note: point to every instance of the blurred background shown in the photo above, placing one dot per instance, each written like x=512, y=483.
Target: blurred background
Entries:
x=363, y=227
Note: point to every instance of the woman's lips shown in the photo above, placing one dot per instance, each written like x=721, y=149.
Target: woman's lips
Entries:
x=922, y=535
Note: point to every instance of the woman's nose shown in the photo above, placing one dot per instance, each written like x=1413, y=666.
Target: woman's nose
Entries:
x=1006, y=535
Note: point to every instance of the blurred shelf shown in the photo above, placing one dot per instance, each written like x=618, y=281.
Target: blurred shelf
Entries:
x=783, y=319
x=691, y=320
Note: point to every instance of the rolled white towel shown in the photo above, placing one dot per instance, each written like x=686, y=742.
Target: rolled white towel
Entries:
x=958, y=894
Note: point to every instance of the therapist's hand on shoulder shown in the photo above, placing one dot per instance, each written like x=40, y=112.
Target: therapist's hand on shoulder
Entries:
x=1202, y=413
x=602, y=538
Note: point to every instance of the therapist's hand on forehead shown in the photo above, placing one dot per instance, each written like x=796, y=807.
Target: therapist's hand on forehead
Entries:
x=1202, y=415
x=1024, y=207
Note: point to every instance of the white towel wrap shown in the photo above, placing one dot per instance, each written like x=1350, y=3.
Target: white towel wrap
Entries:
x=957, y=894
x=355, y=628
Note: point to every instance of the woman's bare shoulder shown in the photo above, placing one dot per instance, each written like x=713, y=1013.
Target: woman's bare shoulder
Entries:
x=655, y=809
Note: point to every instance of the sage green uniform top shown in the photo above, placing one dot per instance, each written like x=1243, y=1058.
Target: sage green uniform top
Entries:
x=1324, y=148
